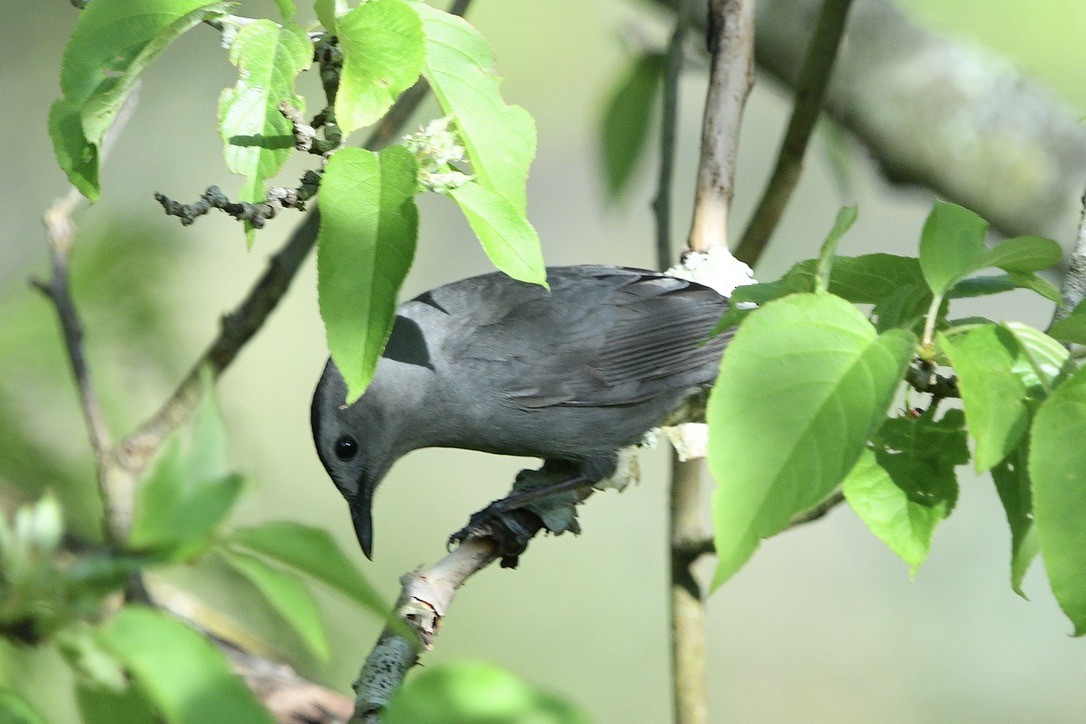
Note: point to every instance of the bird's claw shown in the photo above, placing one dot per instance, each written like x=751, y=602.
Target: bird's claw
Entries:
x=511, y=528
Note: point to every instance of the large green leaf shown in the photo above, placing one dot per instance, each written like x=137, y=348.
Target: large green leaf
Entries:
x=369, y=226
x=625, y=123
x=287, y=595
x=181, y=672
x=1057, y=467
x=473, y=693
x=1012, y=482
x=510, y=242
x=500, y=139
x=906, y=484
x=802, y=387
x=259, y=138
x=313, y=552
x=113, y=42
x=952, y=247
x=382, y=57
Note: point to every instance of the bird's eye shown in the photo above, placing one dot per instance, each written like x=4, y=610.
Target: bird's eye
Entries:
x=346, y=447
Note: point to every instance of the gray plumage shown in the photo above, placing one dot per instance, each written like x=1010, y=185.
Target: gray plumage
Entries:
x=501, y=366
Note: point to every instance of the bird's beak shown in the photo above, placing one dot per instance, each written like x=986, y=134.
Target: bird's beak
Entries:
x=362, y=518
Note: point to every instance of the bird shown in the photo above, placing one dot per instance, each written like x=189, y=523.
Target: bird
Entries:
x=570, y=375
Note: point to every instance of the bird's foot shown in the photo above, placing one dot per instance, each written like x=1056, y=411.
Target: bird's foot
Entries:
x=540, y=499
x=511, y=527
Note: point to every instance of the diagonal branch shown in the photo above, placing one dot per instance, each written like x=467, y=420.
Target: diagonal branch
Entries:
x=60, y=234
x=811, y=85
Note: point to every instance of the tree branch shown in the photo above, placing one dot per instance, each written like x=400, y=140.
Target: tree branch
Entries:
x=731, y=73
x=426, y=596
x=1073, y=289
x=730, y=39
x=811, y=85
x=60, y=235
x=940, y=114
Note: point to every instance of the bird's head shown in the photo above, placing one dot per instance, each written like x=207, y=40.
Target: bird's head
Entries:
x=355, y=444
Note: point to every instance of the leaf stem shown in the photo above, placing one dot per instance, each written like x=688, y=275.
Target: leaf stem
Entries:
x=929, y=325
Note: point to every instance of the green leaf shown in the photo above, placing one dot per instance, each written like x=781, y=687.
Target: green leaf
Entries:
x=999, y=283
x=113, y=42
x=383, y=50
x=187, y=496
x=802, y=386
x=85, y=656
x=867, y=279
x=1071, y=328
x=904, y=525
x=471, y=692
x=500, y=139
x=14, y=709
x=313, y=552
x=103, y=706
x=991, y=365
x=76, y=156
x=508, y=239
x=1049, y=362
x=1057, y=467
x=179, y=523
x=287, y=595
x=625, y=123
x=1011, y=477
x=906, y=484
x=259, y=139
x=369, y=226
x=327, y=10
x=952, y=247
x=182, y=673
x=1023, y=255
x=846, y=217
x=286, y=8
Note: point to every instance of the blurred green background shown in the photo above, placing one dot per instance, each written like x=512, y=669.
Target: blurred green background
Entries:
x=823, y=625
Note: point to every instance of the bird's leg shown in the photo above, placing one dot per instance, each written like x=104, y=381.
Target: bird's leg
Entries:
x=543, y=498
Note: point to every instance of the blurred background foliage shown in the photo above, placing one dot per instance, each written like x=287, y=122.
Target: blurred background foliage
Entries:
x=824, y=625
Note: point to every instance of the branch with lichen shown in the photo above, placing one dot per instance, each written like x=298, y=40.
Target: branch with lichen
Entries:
x=278, y=198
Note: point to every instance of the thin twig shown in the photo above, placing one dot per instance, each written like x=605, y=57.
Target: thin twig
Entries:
x=814, y=79
x=60, y=237
x=661, y=205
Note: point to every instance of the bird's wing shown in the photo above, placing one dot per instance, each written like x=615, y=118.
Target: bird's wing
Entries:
x=604, y=336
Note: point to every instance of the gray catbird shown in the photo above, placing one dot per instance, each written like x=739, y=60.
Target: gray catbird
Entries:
x=569, y=375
